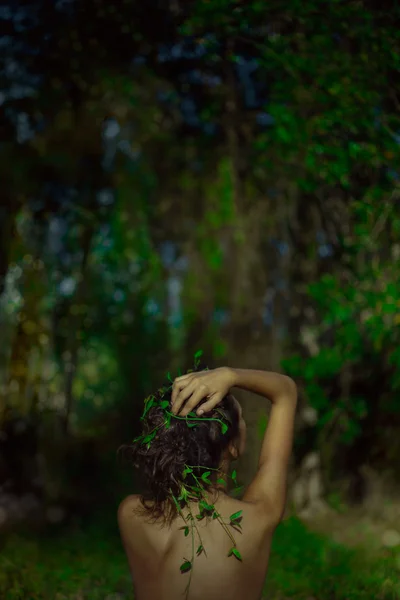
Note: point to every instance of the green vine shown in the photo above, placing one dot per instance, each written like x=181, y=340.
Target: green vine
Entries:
x=197, y=491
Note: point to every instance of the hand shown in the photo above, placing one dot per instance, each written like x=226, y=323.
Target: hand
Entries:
x=193, y=387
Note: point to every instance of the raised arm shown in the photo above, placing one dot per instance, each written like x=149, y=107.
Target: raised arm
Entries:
x=268, y=488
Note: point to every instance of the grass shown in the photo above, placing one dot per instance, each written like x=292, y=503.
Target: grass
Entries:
x=87, y=563
x=309, y=566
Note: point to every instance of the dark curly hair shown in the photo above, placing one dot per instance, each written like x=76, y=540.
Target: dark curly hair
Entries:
x=162, y=463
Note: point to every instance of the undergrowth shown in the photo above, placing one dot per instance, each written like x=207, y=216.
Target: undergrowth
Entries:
x=87, y=563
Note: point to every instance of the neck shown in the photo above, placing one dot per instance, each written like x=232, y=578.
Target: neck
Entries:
x=222, y=474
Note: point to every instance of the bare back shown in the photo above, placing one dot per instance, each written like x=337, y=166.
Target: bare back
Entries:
x=156, y=552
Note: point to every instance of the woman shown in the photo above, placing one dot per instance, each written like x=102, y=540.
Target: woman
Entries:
x=192, y=432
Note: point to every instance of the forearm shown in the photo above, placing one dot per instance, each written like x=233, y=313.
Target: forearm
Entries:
x=265, y=383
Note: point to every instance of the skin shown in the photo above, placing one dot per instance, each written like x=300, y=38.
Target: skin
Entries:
x=155, y=551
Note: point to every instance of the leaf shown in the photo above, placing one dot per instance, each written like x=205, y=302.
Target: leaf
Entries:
x=224, y=428
x=221, y=481
x=186, y=471
x=236, y=515
x=192, y=414
x=215, y=515
x=169, y=377
x=183, y=494
x=206, y=475
x=235, y=552
x=198, y=354
x=186, y=531
x=148, y=404
x=186, y=566
x=237, y=490
x=164, y=404
x=206, y=506
x=191, y=424
x=167, y=421
x=234, y=475
x=200, y=549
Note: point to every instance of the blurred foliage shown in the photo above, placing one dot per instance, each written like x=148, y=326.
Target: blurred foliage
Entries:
x=351, y=374
x=194, y=174
x=90, y=565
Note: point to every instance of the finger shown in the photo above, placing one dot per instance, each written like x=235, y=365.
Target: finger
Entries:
x=185, y=376
x=177, y=387
x=201, y=392
x=182, y=396
x=209, y=404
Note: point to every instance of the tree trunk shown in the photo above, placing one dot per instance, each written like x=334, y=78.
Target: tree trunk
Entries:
x=76, y=321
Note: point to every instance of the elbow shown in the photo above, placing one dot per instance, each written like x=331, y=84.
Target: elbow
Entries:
x=291, y=387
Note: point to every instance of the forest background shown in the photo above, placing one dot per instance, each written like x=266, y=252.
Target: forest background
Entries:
x=181, y=175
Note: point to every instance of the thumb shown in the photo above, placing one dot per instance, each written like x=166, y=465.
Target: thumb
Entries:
x=209, y=404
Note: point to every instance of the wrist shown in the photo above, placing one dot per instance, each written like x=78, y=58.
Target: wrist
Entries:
x=233, y=376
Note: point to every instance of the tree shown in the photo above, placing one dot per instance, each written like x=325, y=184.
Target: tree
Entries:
x=218, y=148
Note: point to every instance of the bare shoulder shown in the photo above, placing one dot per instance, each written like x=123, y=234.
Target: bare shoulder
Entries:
x=128, y=505
x=142, y=539
x=262, y=520
x=128, y=512
x=134, y=533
